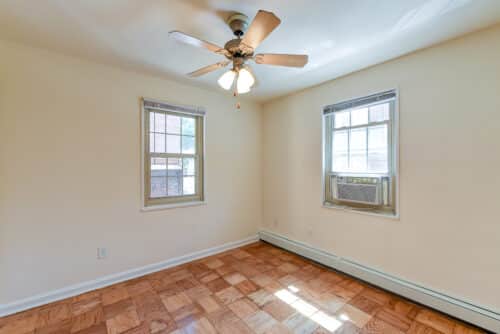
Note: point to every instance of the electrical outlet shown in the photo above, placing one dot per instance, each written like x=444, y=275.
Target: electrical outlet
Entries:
x=102, y=253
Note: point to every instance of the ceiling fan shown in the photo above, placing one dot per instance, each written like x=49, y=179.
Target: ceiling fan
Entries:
x=241, y=49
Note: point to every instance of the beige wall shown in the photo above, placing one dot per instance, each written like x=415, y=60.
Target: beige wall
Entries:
x=448, y=236
x=70, y=172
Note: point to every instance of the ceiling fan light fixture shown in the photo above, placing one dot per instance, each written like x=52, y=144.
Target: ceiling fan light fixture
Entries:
x=245, y=77
x=226, y=80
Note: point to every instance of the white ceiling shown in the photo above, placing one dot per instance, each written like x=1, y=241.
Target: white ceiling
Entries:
x=340, y=36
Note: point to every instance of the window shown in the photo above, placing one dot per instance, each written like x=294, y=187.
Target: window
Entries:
x=173, y=154
x=359, y=154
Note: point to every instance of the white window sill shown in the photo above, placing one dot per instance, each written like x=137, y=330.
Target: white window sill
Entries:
x=394, y=216
x=172, y=206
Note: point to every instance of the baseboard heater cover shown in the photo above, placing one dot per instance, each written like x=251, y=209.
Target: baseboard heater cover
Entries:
x=474, y=314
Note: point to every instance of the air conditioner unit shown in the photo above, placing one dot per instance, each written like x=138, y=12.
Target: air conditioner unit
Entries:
x=360, y=189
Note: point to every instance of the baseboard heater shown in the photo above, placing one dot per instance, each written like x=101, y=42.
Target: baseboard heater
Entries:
x=474, y=314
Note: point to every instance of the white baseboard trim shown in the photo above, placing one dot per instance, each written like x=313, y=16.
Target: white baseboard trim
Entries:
x=475, y=314
x=76, y=289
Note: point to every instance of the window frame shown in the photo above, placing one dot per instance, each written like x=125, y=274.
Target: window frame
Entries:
x=393, y=155
x=199, y=115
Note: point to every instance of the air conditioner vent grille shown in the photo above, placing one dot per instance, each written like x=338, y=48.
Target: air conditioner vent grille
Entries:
x=358, y=192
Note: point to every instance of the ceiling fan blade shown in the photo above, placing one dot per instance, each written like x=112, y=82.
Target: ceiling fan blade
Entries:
x=209, y=68
x=281, y=59
x=188, y=39
x=262, y=25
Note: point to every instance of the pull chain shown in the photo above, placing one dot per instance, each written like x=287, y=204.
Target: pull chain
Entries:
x=238, y=106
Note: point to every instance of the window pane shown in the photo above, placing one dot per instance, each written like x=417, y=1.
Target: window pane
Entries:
x=188, y=166
x=159, y=143
x=377, y=137
x=188, y=126
x=378, y=149
x=158, y=187
x=174, y=167
x=173, y=144
x=158, y=177
x=188, y=146
x=359, y=116
x=341, y=119
x=339, y=151
x=174, y=185
x=151, y=121
x=151, y=142
x=173, y=124
x=358, y=150
x=188, y=185
x=159, y=122
x=379, y=113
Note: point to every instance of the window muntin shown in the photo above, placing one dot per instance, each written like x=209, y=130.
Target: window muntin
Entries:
x=173, y=158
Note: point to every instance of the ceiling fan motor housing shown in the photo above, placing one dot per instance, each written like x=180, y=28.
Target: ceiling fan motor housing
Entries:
x=238, y=23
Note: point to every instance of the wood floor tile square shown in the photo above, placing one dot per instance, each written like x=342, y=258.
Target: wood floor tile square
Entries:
x=198, y=292
x=365, y=304
x=21, y=323
x=175, y=302
x=139, y=287
x=376, y=295
x=279, y=310
x=226, y=322
x=187, y=283
x=228, y=295
x=278, y=328
x=217, y=285
x=354, y=315
x=262, y=280
x=395, y=319
x=225, y=270
x=246, y=287
x=147, y=304
x=122, y=322
x=288, y=280
x=96, y=329
x=436, y=321
x=158, y=321
x=208, y=304
x=60, y=327
x=261, y=297
x=260, y=322
x=288, y=267
x=114, y=294
x=122, y=306
x=377, y=326
x=243, y=308
x=200, y=326
x=187, y=314
x=54, y=313
x=87, y=319
x=299, y=323
x=209, y=277
x=214, y=263
x=84, y=305
x=234, y=278
x=180, y=274
x=418, y=328
x=465, y=329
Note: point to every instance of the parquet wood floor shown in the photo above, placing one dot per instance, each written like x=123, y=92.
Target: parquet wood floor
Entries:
x=253, y=289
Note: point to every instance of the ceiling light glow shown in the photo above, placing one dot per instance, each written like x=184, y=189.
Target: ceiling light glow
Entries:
x=227, y=79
